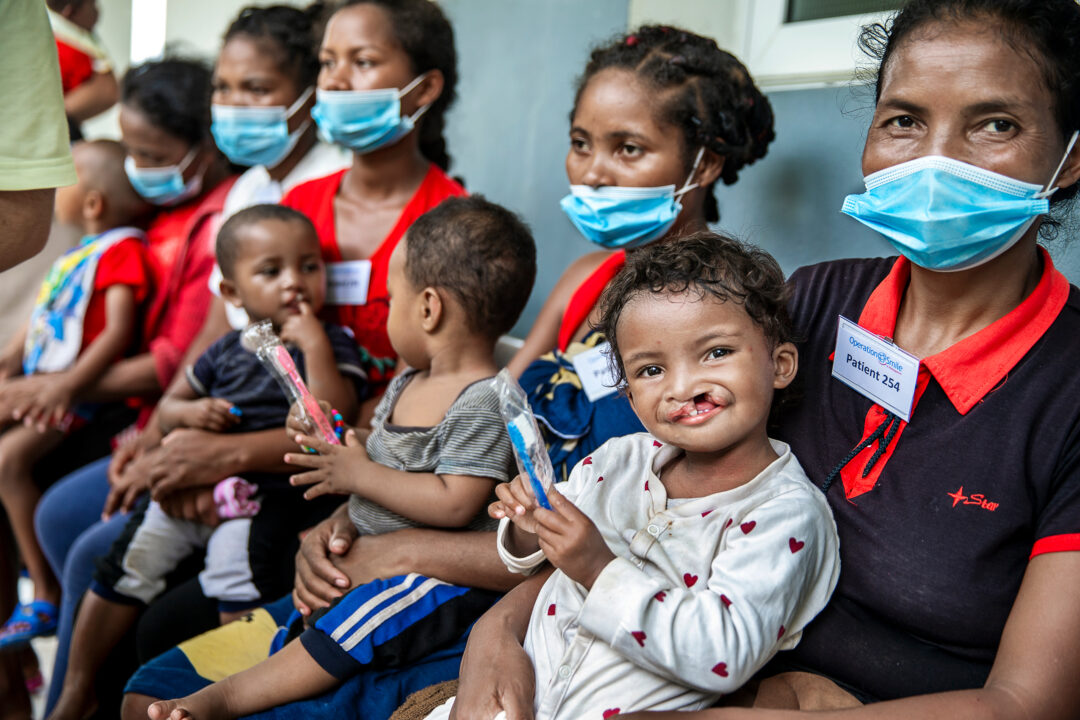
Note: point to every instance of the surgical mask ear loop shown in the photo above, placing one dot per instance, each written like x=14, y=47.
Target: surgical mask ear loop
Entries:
x=295, y=107
x=687, y=187
x=1047, y=191
x=408, y=89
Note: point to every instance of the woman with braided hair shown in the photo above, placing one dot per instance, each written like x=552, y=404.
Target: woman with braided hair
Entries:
x=660, y=116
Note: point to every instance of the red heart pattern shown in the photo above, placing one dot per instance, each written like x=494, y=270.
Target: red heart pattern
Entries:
x=551, y=609
x=657, y=443
x=706, y=513
x=587, y=461
x=660, y=596
x=726, y=600
x=720, y=669
x=746, y=527
x=611, y=713
x=781, y=633
x=728, y=523
x=600, y=479
x=689, y=579
x=646, y=486
x=639, y=636
x=795, y=545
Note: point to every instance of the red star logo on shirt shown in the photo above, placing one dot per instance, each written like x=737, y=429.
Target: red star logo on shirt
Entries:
x=958, y=496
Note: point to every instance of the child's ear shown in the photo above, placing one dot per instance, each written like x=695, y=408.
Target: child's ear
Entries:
x=785, y=364
x=431, y=309
x=228, y=292
x=93, y=206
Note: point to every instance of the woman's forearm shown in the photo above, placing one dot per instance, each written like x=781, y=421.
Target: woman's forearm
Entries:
x=457, y=557
x=133, y=377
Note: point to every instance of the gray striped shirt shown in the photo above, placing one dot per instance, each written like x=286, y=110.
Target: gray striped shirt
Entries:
x=470, y=440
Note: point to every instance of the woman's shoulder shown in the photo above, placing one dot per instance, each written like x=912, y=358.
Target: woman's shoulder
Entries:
x=579, y=271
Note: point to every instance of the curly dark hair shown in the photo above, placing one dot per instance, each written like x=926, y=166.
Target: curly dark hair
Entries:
x=1046, y=30
x=709, y=265
x=479, y=251
x=289, y=34
x=174, y=94
x=428, y=40
x=717, y=105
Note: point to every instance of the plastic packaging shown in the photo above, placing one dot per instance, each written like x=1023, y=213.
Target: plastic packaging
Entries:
x=259, y=338
x=529, y=448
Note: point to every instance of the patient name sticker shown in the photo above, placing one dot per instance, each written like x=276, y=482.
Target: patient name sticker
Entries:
x=347, y=282
x=594, y=371
x=875, y=368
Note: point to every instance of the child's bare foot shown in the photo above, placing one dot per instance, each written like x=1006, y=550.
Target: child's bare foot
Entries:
x=207, y=704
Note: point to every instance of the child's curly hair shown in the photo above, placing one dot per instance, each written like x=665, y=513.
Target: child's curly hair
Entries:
x=707, y=264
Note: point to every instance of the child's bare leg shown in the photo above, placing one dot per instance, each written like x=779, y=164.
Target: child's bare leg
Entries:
x=20, y=448
x=99, y=626
x=289, y=675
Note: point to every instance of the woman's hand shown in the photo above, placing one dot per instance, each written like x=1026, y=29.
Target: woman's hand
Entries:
x=318, y=580
x=333, y=469
x=190, y=458
x=128, y=470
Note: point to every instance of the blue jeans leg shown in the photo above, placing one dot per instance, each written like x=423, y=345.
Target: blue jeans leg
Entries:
x=70, y=528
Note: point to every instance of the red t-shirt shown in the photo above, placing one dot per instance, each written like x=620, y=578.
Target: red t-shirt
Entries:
x=122, y=264
x=315, y=199
x=76, y=66
x=180, y=251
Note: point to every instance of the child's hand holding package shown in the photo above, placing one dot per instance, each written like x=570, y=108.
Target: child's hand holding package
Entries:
x=569, y=539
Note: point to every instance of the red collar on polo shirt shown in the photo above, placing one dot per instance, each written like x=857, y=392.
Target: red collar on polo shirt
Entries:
x=971, y=368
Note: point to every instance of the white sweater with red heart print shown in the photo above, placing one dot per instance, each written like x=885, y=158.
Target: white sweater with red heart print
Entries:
x=702, y=593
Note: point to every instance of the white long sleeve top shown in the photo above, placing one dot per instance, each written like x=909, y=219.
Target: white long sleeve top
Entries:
x=702, y=593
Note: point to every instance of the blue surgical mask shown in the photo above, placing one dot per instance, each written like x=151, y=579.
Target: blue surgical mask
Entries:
x=947, y=215
x=615, y=216
x=164, y=185
x=252, y=135
x=364, y=120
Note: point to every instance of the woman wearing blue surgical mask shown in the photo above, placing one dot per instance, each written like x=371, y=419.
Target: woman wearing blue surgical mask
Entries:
x=264, y=89
x=660, y=115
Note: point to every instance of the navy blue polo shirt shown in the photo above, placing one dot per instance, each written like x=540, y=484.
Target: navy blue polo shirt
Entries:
x=226, y=370
x=934, y=541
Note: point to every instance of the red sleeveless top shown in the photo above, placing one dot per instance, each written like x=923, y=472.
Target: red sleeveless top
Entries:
x=585, y=297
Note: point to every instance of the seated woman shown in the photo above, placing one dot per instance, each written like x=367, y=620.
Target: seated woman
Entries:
x=640, y=172
x=959, y=527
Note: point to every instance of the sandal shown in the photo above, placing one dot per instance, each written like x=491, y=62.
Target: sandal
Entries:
x=36, y=619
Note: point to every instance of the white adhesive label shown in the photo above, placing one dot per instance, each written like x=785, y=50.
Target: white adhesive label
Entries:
x=347, y=282
x=876, y=368
x=595, y=373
